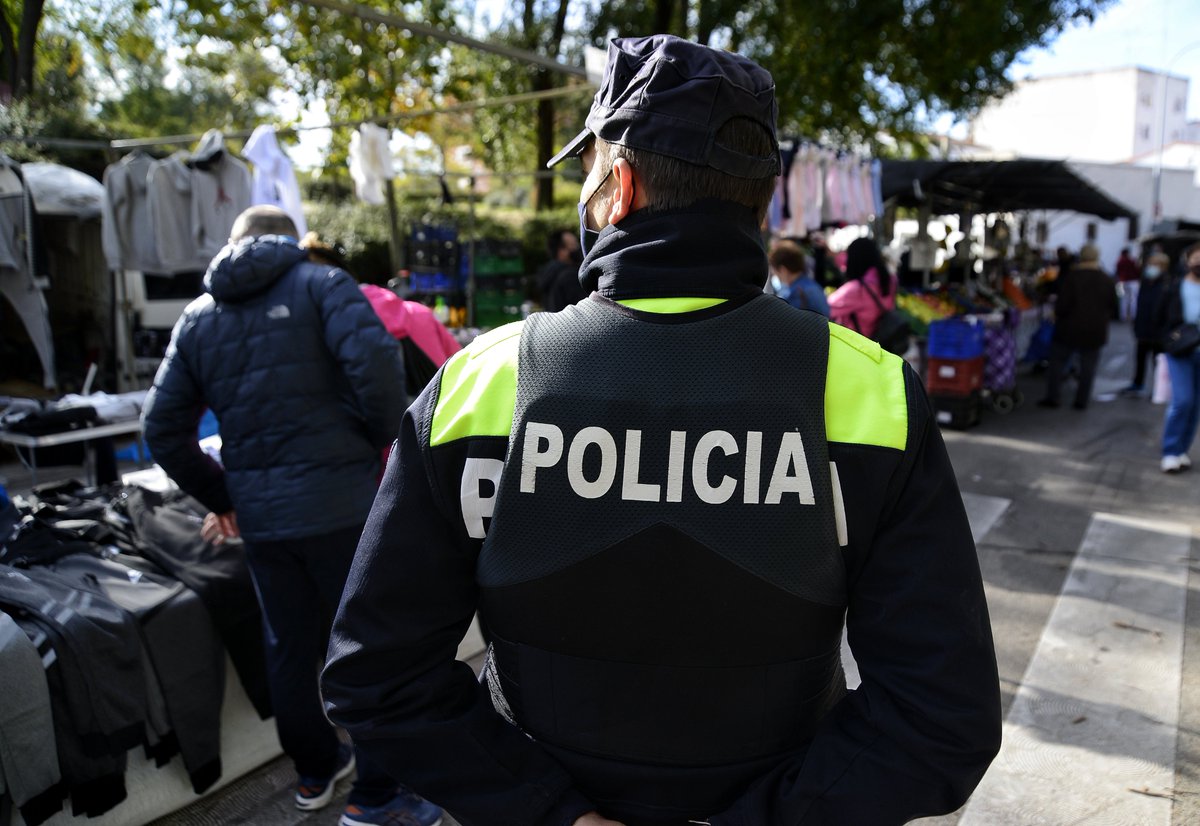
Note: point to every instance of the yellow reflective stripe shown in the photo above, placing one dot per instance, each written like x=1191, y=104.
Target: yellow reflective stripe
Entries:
x=670, y=305
x=479, y=388
x=865, y=400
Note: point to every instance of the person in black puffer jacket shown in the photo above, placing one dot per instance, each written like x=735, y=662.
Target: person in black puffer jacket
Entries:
x=1147, y=326
x=308, y=388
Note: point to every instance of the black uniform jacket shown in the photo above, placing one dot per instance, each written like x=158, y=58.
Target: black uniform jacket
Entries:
x=532, y=745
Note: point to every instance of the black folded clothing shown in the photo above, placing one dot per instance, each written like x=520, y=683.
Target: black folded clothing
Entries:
x=54, y=420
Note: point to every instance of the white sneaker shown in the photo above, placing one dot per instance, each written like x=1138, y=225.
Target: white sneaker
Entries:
x=1171, y=464
x=1184, y=461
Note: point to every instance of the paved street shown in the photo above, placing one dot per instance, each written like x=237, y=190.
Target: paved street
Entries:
x=1088, y=555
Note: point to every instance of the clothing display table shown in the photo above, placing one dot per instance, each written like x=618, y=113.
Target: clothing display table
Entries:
x=87, y=435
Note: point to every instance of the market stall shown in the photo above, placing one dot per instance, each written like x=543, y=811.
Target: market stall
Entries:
x=973, y=333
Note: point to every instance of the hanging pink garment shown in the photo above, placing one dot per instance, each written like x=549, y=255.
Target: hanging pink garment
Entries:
x=816, y=189
x=797, y=197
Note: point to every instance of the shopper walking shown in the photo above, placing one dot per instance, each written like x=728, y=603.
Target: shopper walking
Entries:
x=1181, y=316
x=662, y=529
x=308, y=387
x=558, y=279
x=1128, y=282
x=791, y=280
x=1086, y=300
x=869, y=289
x=1147, y=324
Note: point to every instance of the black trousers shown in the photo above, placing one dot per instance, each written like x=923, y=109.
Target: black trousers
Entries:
x=1146, y=350
x=299, y=584
x=1088, y=358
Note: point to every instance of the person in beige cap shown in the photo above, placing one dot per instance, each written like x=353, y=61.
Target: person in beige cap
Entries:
x=1086, y=301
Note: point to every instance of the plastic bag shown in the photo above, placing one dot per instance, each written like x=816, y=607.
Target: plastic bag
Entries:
x=1162, y=380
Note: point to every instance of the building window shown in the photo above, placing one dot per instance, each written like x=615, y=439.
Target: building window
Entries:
x=1091, y=231
x=1042, y=232
x=1144, y=132
x=1178, y=104
x=1146, y=99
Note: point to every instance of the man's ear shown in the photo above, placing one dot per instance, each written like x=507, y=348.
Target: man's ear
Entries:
x=626, y=198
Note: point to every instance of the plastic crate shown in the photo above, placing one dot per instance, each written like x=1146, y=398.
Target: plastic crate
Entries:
x=1000, y=372
x=957, y=412
x=955, y=338
x=954, y=377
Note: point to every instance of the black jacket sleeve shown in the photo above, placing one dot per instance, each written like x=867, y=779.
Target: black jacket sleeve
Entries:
x=369, y=357
x=392, y=680
x=916, y=737
x=170, y=421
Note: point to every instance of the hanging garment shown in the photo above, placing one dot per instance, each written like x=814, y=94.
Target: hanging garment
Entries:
x=877, y=186
x=867, y=191
x=12, y=216
x=814, y=185
x=28, y=757
x=170, y=199
x=274, y=180
x=21, y=261
x=798, y=196
x=370, y=162
x=127, y=226
x=220, y=193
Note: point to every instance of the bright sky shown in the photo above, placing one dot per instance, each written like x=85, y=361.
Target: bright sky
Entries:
x=1161, y=35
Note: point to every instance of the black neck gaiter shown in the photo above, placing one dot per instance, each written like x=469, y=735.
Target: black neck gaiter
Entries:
x=711, y=249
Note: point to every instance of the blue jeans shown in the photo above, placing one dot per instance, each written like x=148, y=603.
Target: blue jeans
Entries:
x=1183, y=414
x=299, y=584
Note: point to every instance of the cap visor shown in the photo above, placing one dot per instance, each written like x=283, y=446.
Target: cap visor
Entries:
x=575, y=147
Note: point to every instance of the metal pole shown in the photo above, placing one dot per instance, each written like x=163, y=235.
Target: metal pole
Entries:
x=393, y=228
x=471, y=253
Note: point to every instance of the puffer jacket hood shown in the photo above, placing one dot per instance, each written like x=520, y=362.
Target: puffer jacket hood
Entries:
x=246, y=268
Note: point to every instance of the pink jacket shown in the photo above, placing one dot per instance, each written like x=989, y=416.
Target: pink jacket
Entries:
x=852, y=306
x=413, y=320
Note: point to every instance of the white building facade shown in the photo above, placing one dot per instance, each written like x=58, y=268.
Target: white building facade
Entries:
x=1111, y=126
x=1110, y=116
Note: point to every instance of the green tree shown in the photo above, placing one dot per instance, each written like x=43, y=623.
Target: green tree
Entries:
x=19, y=24
x=358, y=69
x=848, y=70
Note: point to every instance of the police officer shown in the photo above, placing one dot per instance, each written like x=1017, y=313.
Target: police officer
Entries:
x=663, y=501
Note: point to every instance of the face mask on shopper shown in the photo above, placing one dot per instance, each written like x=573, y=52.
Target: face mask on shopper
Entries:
x=1152, y=272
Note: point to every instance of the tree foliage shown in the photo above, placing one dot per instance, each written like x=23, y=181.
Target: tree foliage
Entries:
x=848, y=70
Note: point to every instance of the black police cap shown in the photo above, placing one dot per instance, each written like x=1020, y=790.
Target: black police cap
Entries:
x=667, y=95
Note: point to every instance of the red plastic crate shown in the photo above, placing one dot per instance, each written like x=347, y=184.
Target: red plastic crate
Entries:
x=954, y=377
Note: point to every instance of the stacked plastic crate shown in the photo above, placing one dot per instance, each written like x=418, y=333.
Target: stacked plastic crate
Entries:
x=499, y=282
x=954, y=370
x=433, y=277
